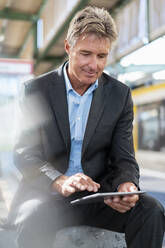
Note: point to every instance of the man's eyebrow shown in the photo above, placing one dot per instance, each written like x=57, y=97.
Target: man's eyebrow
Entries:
x=87, y=51
x=103, y=53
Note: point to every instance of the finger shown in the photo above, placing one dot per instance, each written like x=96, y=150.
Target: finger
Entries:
x=117, y=206
x=79, y=186
x=83, y=182
x=131, y=199
x=130, y=204
x=68, y=190
x=112, y=199
x=91, y=185
x=118, y=201
x=126, y=203
x=132, y=188
x=121, y=207
x=78, y=182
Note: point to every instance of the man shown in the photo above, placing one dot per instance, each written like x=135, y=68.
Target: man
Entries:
x=76, y=140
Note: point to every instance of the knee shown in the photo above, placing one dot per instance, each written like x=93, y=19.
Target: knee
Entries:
x=152, y=206
x=26, y=210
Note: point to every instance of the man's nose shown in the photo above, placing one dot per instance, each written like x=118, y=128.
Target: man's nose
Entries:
x=93, y=63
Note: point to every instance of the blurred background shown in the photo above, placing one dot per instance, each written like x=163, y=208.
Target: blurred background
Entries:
x=32, y=37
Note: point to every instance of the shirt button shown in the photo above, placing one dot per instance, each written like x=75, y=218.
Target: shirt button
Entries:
x=78, y=118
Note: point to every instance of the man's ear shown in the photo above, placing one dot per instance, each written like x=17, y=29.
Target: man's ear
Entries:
x=67, y=47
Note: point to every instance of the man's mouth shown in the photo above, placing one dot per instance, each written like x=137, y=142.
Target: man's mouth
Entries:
x=90, y=73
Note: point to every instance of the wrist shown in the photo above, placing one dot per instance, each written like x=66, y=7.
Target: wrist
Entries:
x=58, y=182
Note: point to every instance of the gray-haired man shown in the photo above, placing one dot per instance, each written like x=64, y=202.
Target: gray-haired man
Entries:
x=77, y=139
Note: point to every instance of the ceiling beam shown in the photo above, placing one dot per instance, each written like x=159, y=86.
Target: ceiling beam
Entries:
x=42, y=6
x=35, y=45
x=10, y=14
x=118, y=6
x=81, y=4
x=118, y=69
x=144, y=68
x=33, y=30
x=29, y=33
x=57, y=61
x=53, y=59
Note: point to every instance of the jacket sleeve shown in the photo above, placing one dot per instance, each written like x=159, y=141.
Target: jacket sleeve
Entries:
x=28, y=151
x=122, y=151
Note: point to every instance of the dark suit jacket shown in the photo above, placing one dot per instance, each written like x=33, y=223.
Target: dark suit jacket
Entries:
x=107, y=152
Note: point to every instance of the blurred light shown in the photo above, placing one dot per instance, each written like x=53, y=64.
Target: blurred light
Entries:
x=149, y=54
x=145, y=40
x=106, y=71
x=15, y=66
x=132, y=76
x=2, y=37
x=40, y=40
x=70, y=4
x=159, y=75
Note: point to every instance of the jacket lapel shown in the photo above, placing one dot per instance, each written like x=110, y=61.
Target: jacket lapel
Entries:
x=96, y=110
x=57, y=91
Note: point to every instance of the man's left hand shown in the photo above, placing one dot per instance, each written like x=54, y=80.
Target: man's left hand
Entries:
x=125, y=203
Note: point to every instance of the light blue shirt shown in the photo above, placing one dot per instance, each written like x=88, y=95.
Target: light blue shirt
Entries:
x=78, y=108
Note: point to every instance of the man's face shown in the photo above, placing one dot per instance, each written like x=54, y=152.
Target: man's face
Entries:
x=87, y=59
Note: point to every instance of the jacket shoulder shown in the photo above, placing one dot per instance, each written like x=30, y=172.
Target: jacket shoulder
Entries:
x=116, y=89
x=40, y=83
x=113, y=82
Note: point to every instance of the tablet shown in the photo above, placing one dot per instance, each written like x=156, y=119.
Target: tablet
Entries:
x=99, y=197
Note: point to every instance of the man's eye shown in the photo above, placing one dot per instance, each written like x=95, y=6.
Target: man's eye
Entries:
x=85, y=54
x=101, y=56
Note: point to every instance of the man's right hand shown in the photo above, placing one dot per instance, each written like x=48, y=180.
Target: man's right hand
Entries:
x=79, y=182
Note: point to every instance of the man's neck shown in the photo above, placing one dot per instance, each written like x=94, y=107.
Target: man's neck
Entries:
x=80, y=89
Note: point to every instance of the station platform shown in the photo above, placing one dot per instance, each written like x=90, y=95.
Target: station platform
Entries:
x=152, y=168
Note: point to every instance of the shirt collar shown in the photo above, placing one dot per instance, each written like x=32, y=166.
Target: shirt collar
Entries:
x=69, y=86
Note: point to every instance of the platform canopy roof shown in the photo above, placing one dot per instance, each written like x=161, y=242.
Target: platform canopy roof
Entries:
x=36, y=29
x=18, y=27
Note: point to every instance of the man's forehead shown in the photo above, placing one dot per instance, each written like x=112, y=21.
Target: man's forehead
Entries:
x=86, y=36
x=89, y=40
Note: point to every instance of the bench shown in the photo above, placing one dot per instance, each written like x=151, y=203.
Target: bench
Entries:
x=74, y=237
x=88, y=237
